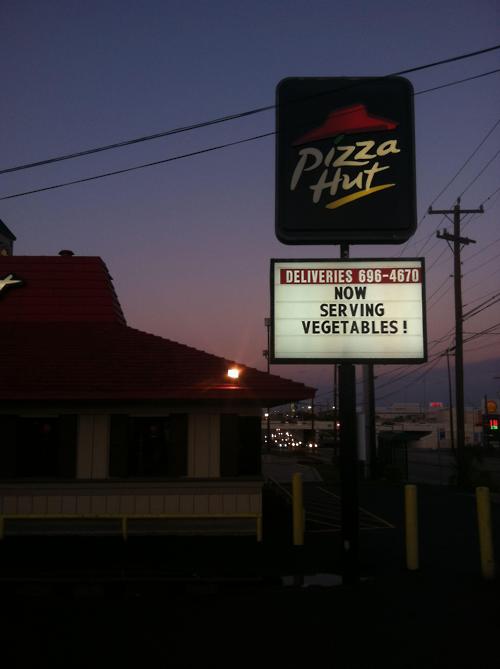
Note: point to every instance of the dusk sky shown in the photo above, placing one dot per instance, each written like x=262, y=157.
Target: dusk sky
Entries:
x=188, y=242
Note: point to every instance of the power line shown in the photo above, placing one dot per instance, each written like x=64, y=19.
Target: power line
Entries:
x=430, y=236
x=486, y=248
x=477, y=310
x=138, y=167
x=495, y=290
x=431, y=306
x=478, y=283
x=481, y=348
x=439, y=299
x=447, y=60
x=435, y=260
x=433, y=362
x=481, y=265
x=245, y=114
x=443, y=285
x=399, y=370
x=403, y=375
x=480, y=173
x=466, y=162
x=398, y=390
x=484, y=332
x=490, y=196
x=458, y=81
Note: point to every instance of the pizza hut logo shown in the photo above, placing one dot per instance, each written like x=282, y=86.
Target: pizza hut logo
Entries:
x=9, y=281
x=345, y=171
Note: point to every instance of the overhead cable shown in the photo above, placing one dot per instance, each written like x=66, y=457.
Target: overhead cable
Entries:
x=244, y=114
x=136, y=167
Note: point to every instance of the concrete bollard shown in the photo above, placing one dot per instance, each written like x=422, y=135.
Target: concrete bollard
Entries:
x=411, y=527
x=483, y=505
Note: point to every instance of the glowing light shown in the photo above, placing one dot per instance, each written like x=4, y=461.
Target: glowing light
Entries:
x=233, y=373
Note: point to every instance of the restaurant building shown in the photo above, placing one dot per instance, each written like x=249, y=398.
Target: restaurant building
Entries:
x=104, y=427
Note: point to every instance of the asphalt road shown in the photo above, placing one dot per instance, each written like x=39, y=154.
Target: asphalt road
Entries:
x=439, y=467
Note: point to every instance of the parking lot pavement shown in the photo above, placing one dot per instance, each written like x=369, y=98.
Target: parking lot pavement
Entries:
x=410, y=621
x=282, y=467
x=226, y=602
x=323, y=511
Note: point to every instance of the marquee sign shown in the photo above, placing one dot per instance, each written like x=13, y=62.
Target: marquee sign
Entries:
x=348, y=310
x=345, y=160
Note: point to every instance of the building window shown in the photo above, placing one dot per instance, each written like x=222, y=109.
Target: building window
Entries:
x=240, y=445
x=148, y=447
x=41, y=448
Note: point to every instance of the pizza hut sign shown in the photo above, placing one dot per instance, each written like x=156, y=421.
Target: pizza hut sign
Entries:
x=345, y=161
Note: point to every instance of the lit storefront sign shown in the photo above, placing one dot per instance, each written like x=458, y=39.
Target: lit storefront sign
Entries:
x=345, y=160
x=348, y=310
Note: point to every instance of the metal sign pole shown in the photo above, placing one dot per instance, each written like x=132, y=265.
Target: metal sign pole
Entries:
x=348, y=467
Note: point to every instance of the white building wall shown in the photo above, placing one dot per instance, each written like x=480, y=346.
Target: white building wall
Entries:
x=204, y=446
x=92, y=446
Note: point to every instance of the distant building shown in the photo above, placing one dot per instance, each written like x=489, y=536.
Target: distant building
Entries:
x=428, y=429
x=98, y=419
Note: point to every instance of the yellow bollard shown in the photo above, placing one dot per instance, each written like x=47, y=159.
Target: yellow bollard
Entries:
x=259, y=528
x=485, y=534
x=297, y=510
x=411, y=517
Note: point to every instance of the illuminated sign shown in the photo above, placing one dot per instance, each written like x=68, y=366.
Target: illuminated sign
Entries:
x=356, y=310
x=8, y=281
x=491, y=406
x=491, y=428
x=345, y=160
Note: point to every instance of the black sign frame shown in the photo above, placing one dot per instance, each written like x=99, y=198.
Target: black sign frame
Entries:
x=317, y=116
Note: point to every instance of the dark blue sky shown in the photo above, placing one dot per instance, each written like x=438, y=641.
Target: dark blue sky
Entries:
x=188, y=243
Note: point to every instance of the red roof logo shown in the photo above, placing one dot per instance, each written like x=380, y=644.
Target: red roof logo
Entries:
x=9, y=280
x=348, y=120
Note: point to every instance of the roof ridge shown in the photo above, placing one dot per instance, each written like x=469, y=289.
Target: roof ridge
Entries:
x=214, y=355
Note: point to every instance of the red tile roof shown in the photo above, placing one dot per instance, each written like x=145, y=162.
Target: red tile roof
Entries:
x=60, y=288
x=63, y=337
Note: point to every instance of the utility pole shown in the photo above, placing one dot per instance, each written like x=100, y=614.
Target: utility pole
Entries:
x=458, y=243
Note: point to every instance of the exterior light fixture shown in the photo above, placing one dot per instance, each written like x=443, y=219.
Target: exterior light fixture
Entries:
x=233, y=373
